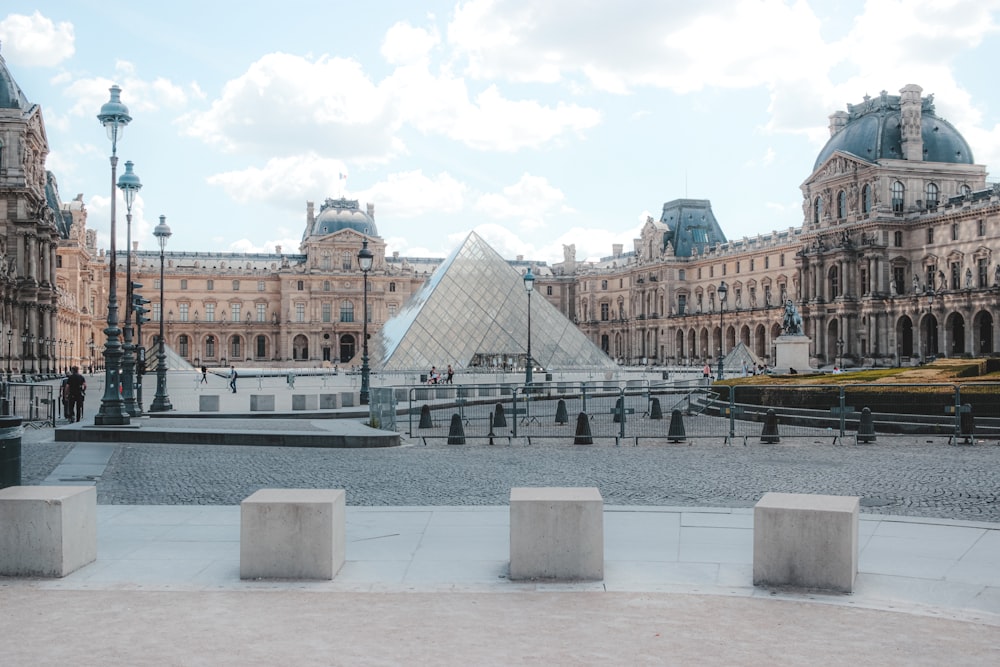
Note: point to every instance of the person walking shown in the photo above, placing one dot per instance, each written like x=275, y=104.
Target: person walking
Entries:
x=67, y=406
x=291, y=379
x=451, y=374
x=77, y=390
x=204, y=374
x=232, y=378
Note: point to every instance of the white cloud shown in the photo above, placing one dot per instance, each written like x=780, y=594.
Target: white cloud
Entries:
x=35, y=41
x=288, y=245
x=531, y=196
x=403, y=44
x=282, y=180
x=412, y=194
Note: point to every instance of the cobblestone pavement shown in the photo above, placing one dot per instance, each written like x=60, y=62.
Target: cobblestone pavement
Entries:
x=899, y=476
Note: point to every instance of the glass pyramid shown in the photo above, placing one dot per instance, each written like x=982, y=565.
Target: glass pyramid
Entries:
x=473, y=313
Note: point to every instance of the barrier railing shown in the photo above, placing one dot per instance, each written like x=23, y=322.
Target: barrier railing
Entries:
x=33, y=403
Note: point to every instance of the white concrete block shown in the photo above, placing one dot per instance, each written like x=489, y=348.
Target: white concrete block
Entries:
x=806, y=541
x=208, y=403
x=556, y=533
x=47, y=531
x=347, y=399
x=304, y=401
x=292, y=534
x=261, y=402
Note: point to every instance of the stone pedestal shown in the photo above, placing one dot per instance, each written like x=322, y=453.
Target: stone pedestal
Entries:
x=262, y=403
x=791, y=352
x=556, y=533
x=806, y=541
x=292, y=534
x=208, y=403
x=327, y=401
x=47, y=531
x=304, y=401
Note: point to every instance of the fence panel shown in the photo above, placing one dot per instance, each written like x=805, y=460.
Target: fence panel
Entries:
x=33, y=403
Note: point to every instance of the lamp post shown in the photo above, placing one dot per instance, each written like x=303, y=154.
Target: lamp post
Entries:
x=365, y=259
x=31, y=351
x=92, y=346
x=529, y=287
x=114, y=117
x=723, y=288
x=10, y=338
x=161, y=402
x=130, y=185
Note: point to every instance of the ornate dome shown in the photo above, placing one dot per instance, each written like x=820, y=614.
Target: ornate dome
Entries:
x=873, y=131
x=337, y=214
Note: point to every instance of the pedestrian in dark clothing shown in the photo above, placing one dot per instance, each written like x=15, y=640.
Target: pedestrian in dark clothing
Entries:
x=77, y=390
x=204, y=374
x=451, y=374
x=232, y=378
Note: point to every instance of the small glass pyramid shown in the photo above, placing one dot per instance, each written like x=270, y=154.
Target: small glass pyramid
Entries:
x=473, y=313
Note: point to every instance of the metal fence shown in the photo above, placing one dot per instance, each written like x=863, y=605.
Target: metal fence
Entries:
x=33, y=403
x=635, y=411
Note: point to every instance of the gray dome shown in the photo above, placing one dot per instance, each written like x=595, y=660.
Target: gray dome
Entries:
x=338, y=214
x=873, y=133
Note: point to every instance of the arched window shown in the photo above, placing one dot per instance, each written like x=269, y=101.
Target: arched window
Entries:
x=182, y=345
x=210, y=346
x=866, y=199
x=965, y=190
x=817, y=210
x=261, y=347
x=931, y=195
x=841, y=205
x=897, y=197
x=346, y=311
x=235, y=345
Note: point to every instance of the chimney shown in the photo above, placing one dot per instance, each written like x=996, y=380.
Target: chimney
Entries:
x=909, y=115
x=395, y=254
x=838, y=120
x=277, y=250
x=371, y=211
x=310, y=213
x=616, y=250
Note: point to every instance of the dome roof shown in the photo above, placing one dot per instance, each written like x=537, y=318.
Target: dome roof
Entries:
x=872, y=132
x=337, y=214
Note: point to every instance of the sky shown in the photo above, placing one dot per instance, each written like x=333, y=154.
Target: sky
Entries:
x=536, y=124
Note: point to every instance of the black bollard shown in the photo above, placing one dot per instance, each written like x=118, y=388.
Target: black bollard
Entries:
x=866, y=426
x=562, y=417
x=10, y=451
x=456, y=435
x=425, y=417
x=583, y=436
x=619, y=411
x=655, y=412
x=769, y=435
x=676, y=432
x=499, y=420
x=967, y=423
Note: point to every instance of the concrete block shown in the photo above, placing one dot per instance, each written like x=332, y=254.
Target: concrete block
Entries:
x=347, y=399
x=261, y=402
x=806, y=541
x=556, y=533
x=292, y=534
x=327, y=401
x=304, y=402
x=47, y=531
x=208, y=403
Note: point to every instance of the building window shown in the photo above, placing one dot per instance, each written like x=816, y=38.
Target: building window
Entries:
x=236, y=286
x=184, y=311
x=981, y=227
x=156, y=283
x=260, y=285
x=184, y=283
x=235, y=310
x=897, y=239
x=605, y=312
x=841, y=205
x=931, y=193
x=930, y=235
x=931, y=276
x=954, y=231
x=767, y=262
x=326, y=263
x=58, y=261
x=864, y=280
x=210, y=346
x=956, y=275
x=965, y=190
x=983, y=267
x=781, y=259
x=898, y=277
x=548, y=290
x=156, y=312
x=680, y=274
x=604, y=284
x=300, y=312
x=699, y=273
x=346, y=261
x=817, y=210
x=346, y=311
x=866, y=199
x=392, y=310
x=392, y=287
x=262, y=312
x=752, y=264
x=182, y=345
x=234, y=347
x=326, y=285
x=834, y=283
x=897, y=191
x=209, y=312
x=261, y=347
x=327, y=312
x=210, y=285
x=737, y=266
x=300, y=285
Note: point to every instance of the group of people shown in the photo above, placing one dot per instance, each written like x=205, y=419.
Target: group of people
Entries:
x=434, y=377
x=72, y=393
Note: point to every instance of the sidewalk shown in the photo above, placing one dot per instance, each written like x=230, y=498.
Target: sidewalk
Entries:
x=429, y=585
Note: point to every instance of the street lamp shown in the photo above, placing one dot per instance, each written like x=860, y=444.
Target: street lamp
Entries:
x=529, y=287
x=10, y=338
x=114, y=117
x=723, y=288
x=365, y=259
x=130, y=185
x=161, y=402
x=31, y=351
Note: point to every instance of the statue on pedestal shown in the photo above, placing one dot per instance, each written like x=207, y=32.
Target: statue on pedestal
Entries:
x=792, y=323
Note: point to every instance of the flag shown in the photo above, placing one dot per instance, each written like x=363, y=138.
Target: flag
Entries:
x=343, y=176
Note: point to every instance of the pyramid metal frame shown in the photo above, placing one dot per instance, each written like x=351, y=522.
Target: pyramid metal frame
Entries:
x=473, y=312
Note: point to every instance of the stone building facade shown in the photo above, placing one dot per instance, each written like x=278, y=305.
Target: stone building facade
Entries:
x=894, y=261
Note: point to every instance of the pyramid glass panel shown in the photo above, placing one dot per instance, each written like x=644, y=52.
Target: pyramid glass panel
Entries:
x=473, y=312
